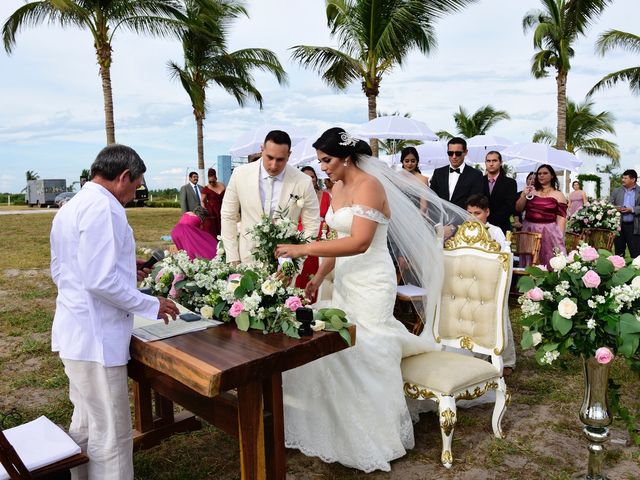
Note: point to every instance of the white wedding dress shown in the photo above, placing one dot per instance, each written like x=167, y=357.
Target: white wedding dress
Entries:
x=349, y=407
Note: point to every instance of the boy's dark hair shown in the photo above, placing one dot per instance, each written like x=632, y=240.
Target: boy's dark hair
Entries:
x=477, y=200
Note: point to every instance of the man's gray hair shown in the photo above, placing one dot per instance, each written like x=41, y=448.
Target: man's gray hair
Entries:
x=115, y=159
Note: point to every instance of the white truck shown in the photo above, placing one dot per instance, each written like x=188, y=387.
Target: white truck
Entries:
x=42, y=193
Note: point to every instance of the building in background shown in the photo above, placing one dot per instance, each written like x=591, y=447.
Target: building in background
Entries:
x=224, y=168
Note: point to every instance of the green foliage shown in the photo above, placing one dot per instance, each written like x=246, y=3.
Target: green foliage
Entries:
x=163, y=204
x=589, y=177
x=478, y=123
x=630, y=42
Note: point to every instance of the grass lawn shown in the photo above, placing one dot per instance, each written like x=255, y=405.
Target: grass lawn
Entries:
x=543, y=432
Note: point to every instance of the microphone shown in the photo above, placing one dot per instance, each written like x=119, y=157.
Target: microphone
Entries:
x=156, y=256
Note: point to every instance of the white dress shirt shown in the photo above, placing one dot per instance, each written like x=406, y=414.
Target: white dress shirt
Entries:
x=453, y=179
x=93, y=265
x=497, y=234
x=275, y=193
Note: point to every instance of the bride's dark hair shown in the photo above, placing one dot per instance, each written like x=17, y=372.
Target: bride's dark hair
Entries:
x=336, y=142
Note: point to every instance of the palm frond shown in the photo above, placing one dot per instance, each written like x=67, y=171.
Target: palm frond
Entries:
x=599, y=147
x=612, y=39
x=580, y=14
x=444, y=135
x=631, y=75
x=337, y=68
x=544, y=136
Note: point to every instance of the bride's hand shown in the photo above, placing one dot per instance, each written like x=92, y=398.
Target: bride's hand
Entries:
x=290, y=251
x=312, y=286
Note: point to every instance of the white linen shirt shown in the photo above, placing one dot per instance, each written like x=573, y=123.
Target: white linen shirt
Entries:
x=277, y=187
x=93, y=265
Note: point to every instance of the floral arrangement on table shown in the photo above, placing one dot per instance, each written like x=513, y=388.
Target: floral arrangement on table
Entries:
x=589, y=300
x=598, y=214
x=249, y=295
x=587, y=305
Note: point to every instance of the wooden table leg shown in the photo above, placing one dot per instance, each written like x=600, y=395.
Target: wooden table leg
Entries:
x=274, y=442
x=251, y=432
x=143, y=410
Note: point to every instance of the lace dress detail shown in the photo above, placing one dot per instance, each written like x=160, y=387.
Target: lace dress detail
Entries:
x=349, y=407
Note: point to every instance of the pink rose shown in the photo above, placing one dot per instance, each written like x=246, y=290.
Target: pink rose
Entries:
x=159, y=275
x=617, y=260
x=234, y=277
x=603, y=355
x=535, y=294
x=236, y=309
x=293, y=303
x=588, y=254
x=178, y=278
x=591, y=279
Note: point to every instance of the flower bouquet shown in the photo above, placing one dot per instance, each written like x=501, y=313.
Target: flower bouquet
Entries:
x=598, y=214
x=590, y=300
x=270, y=232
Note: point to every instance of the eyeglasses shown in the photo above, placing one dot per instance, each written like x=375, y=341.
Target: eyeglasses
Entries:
x=457, y=154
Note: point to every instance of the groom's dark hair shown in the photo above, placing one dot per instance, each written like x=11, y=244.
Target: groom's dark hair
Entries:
x=278, y=137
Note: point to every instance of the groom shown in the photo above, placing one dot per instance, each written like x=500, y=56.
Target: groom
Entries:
x=262, y=188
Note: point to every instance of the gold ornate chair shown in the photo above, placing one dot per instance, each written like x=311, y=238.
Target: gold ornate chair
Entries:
x=469, y=315
x=599, y=237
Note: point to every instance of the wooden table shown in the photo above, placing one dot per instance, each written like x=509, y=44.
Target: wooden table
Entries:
x=198, y=370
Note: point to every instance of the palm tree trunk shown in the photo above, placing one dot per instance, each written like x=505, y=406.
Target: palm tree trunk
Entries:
x=561, y=133
x=200, y=134
x=371, y=101
x=105, y=74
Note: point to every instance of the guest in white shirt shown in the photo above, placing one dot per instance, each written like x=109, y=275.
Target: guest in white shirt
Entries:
x=478, y=206
x=93, y=265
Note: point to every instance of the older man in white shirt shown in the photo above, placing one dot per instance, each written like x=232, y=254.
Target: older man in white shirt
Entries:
x=93, y=265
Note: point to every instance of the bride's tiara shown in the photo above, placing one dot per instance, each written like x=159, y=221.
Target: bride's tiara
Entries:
x=347, y=140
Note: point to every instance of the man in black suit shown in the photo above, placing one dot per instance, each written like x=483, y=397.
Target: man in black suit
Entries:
x=457, y=181
x=500, y=190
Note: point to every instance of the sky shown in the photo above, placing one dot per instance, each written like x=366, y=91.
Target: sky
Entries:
x=51, y=104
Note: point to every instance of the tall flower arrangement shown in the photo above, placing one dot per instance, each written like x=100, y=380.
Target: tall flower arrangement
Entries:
x=598, y=214
x=588, y=304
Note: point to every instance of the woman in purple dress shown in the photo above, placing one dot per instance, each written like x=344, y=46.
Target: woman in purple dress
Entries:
x=546, y=213
x=577, y=198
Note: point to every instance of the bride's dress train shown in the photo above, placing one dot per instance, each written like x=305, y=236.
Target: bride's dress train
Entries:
x=349, y=407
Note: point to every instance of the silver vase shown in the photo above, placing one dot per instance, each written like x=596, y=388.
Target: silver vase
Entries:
x=595, y=415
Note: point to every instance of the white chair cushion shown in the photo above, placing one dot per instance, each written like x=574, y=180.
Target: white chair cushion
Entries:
x=447, y=372
x=38, y=443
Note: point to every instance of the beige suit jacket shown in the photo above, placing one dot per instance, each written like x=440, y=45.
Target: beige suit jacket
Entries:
x=242, y=207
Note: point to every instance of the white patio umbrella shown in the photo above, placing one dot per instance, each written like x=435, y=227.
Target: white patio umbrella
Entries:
x=251, y=141
x=541, y=153
x=479, y=145
x=396, y=127
x=432, y=155
x=303, y=152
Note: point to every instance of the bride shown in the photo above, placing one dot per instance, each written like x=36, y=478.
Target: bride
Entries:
x=349, y=407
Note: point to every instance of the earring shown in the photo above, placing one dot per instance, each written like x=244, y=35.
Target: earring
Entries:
x=346, y=163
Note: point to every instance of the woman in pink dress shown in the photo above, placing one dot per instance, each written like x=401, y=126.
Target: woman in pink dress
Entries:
x=212, y=196
x=546, y=213
x=577, y=198
x=188, y=236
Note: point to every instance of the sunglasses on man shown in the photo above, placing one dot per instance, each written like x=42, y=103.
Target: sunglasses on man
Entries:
x=457, y=154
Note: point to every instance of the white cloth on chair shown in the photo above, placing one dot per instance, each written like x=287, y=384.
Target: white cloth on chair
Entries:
x=39, y=443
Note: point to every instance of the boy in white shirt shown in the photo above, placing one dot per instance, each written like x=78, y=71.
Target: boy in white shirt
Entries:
x=478, y=206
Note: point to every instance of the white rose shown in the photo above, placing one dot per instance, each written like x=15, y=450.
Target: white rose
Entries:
x=558, y=262
x=537, y=338
x=591, y=324
x=300, y=202
x=635, y=283
x=206, y=311
x=269, y=287
x=567, y=308
x=318, y=325
x=636, y=262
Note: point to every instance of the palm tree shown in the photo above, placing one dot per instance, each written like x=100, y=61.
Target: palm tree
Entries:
x=375, y=36
x=584, y=128
x=102, y=18
x=207, y=61
x=478, y=123
x=31, y=175
x=556, y=28
x=627, y=41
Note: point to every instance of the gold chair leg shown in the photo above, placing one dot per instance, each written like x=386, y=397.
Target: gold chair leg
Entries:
x=447, y=414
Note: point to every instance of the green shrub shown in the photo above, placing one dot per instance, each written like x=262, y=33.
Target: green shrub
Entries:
x=163, y=204
x=16, y=198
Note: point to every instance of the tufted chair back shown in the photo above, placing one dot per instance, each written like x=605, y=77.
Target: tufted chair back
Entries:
x=475, y=292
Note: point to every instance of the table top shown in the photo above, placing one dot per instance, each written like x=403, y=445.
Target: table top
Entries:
x=221, y=358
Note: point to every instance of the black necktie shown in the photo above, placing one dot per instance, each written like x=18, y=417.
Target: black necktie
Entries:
x=457, y=170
